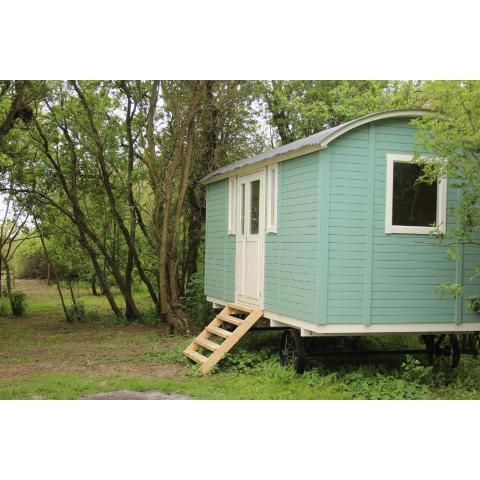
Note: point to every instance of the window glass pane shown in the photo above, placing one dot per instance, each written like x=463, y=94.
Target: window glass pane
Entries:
x=242, y=217
x=414, y=204
x=254, y=206
x=272, y=186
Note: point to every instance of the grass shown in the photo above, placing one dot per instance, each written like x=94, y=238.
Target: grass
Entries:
x=43, y=356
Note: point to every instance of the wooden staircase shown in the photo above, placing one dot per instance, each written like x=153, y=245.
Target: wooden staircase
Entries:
x=214, y=333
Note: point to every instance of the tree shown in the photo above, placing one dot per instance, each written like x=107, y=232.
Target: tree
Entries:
x=16, y=98
x=11, y=228
x=110, y=170
x=298, y=108
x=452, y=135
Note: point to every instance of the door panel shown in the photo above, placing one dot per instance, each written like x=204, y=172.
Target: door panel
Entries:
x=250, y=238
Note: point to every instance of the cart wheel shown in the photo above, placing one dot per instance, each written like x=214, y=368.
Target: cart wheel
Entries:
x=292, y=350
x=455, y=345
x=429, y=341
x=443, y=346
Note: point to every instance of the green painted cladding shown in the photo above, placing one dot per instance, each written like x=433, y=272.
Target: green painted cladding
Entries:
x=374, y=277
x=291, y=255
x=219, y=247
x=330, y=260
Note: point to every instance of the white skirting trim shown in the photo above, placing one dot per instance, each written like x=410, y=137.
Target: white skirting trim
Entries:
x=308, y=329
x=217, y=303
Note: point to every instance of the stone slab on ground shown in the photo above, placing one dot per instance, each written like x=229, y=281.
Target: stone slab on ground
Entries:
x=129, y=395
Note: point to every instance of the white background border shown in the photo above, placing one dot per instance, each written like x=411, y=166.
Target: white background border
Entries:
x=251, y=39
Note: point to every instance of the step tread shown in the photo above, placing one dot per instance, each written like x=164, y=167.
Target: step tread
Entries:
x=220, y=332
x=228, y=318
x=204, y=342
x=195, y=356
x=240, y=307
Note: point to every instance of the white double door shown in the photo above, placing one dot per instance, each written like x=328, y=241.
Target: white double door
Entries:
x=250, y=239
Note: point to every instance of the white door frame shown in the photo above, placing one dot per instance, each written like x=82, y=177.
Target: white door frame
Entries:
x=240, y=241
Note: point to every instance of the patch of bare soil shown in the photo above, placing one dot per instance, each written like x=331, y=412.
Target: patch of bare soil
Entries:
x=147, y=370
x=129, y=395
x=44, y=342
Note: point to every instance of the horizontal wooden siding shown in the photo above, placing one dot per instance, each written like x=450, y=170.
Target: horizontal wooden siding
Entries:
x=219, y=247
x=291, y=254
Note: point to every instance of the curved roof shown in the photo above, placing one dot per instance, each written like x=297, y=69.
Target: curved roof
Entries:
x=316, y=141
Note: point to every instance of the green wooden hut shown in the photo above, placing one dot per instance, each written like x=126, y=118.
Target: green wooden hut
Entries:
x=330, y=235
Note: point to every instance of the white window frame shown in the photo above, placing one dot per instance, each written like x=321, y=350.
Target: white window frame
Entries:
x=441, y=220
x=232, y=200
x=272, y=198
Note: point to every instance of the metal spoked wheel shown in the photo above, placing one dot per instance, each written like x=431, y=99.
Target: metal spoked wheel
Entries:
x=292, y=350
x=438, y=346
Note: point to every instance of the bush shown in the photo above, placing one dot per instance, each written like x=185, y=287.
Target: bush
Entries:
x=242, y=360
x=4, y=310
x=17, y=302
x=194, y=303
x=76, y=312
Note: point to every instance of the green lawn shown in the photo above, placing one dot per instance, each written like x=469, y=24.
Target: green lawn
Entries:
x=43, y=356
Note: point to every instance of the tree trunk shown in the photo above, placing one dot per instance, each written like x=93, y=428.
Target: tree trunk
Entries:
x=8, y=278
x=178, y=215
x=170, y=310
x=78, y=219
x=100, y=156
x=1, y=268
x=100, y=274
x=60, y=294
x=72, y=295
x=93, y=284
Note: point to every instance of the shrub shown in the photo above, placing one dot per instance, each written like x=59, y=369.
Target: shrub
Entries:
x=242, y=360
x=17, y=302
x=4, y=310
x=76, y=312
x=414, y=371
x=194, y=303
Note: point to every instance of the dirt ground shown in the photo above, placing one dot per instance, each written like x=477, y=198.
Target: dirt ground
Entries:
x=42, y=341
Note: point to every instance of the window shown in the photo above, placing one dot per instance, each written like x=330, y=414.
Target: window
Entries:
x=413, y=207
x=231, y=205
x=254, y=207
x=272, y=180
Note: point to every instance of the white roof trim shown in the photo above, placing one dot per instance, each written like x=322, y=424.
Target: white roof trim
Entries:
x=306, y=145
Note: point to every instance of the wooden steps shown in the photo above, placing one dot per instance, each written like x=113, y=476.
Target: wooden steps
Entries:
x=214, y=331
x=230, y=319
x=208, y=344
x=195, y=356
x=219, y=332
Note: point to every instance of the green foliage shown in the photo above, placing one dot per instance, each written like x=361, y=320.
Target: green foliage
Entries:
x=416, y=371
x=242, y=360
x=449, y=290
x=194, y=302
x=30, y=261
x=475, y=303
x=452, y=136
x=4, y=309
x=18, y=303
x=150, y=315
x=76, y=312
x=300, y=108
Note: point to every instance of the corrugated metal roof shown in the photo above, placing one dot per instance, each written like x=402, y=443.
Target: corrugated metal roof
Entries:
x=320, y=139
